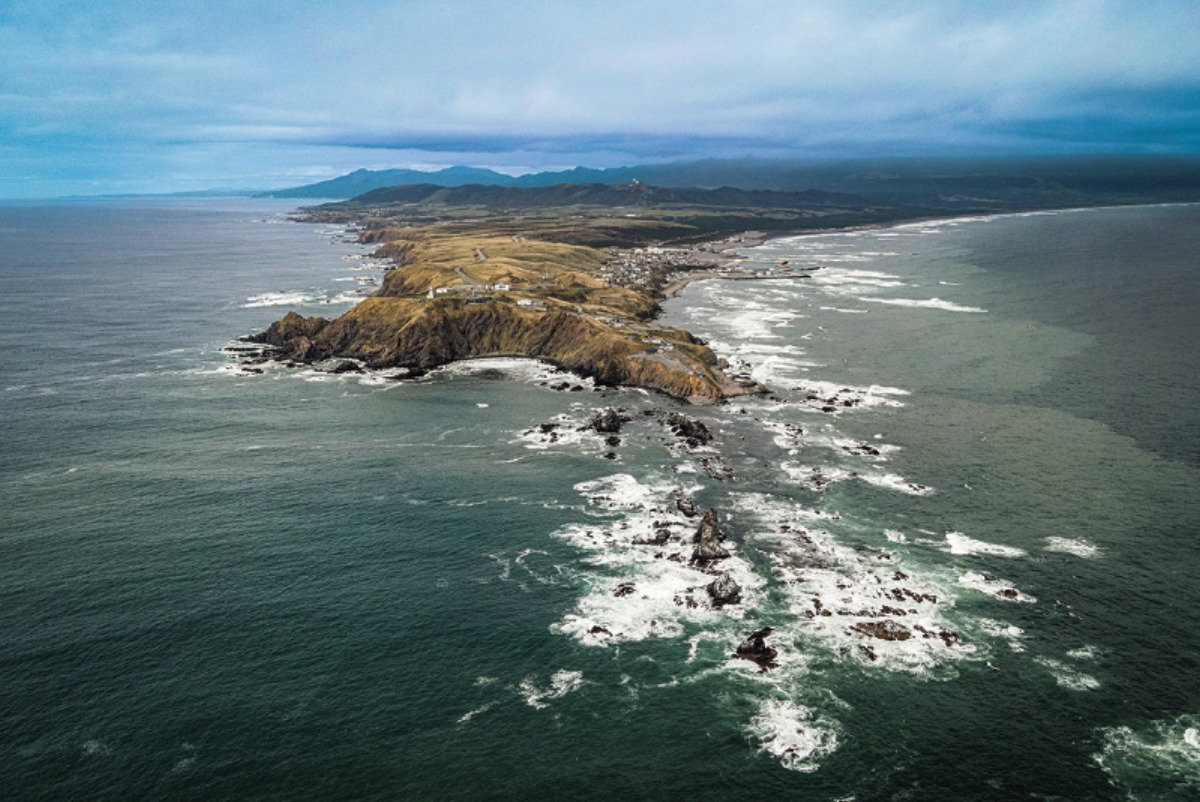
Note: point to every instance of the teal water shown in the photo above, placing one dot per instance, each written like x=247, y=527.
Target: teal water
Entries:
x=297, y=585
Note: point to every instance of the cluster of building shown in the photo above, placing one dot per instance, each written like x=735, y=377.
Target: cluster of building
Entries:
x=472, y=288
x=638, y=267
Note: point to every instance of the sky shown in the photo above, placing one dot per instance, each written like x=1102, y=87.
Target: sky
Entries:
x=127, y=96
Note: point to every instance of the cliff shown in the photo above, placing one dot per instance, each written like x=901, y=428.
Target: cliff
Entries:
x=422, y=334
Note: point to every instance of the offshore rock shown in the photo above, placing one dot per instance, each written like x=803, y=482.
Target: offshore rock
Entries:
x=724, y=590
x=690, y=430
x=708, y=539
x=608, y=421
x=755, y=649
x=685, y=504
x=346, y=366
x=661, y=535
x=884, y=630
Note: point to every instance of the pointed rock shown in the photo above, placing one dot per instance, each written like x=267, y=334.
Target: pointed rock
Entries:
x=708, y=539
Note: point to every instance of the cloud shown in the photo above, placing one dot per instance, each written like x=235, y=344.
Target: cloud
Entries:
x=621, y=78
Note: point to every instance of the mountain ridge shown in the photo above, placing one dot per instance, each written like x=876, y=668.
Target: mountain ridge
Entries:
x=1029, y=182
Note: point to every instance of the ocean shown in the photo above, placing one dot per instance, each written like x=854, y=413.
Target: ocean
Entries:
x=967, y=512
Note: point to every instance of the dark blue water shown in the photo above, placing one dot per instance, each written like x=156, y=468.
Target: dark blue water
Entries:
x=215, y=584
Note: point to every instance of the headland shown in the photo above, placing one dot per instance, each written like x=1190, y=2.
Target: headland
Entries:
x=568, y=275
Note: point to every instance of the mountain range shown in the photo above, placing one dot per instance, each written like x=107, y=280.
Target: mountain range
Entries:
x=633, y=194
x=1009, y=182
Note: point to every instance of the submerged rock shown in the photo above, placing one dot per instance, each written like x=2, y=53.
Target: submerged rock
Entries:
x=624, y=589
x=884, y=630
x=708, y=539
x=724, y=590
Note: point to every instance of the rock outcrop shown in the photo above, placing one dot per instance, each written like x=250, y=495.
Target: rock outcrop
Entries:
x=708, y=537
x=755, y=649
x=685, y=504
x=608, y=421
x=421, y=334
x=724, y=590
x=690, y=430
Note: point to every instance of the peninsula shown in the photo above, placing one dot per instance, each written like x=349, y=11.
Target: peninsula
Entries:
x=571, y=275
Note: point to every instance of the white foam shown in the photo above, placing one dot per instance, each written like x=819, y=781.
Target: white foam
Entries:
x=958, y=543
x=567, y=431
x=561, y=683
x=638, y=589
x=789, y=732
x=819, y=477
x=814, y=477
x=873, y=395
x=991, y=586
x=345, y=298
x=927, y=303
x=1067, y=676
x=775, y=371
x=891, y=481
x=1088, y=652
x=841, y=281
x=1076, y=546
x=852, y=447
x=470, y=714
x=294, y=298
x=860, y=602
x=1163, y=753
x=844, y=311
x=757, y=323
x=1010, y=633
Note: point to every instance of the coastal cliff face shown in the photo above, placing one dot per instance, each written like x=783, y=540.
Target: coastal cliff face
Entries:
x=476, y=285
x=423, y=334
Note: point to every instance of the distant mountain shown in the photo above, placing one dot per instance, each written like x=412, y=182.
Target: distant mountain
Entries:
x=360, y=181
x=931, y=184
x=594, y=194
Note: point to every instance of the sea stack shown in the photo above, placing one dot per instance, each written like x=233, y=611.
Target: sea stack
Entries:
x=755, y=649
x=708, y=539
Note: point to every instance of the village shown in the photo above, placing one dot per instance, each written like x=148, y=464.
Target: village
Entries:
x=652, y=268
